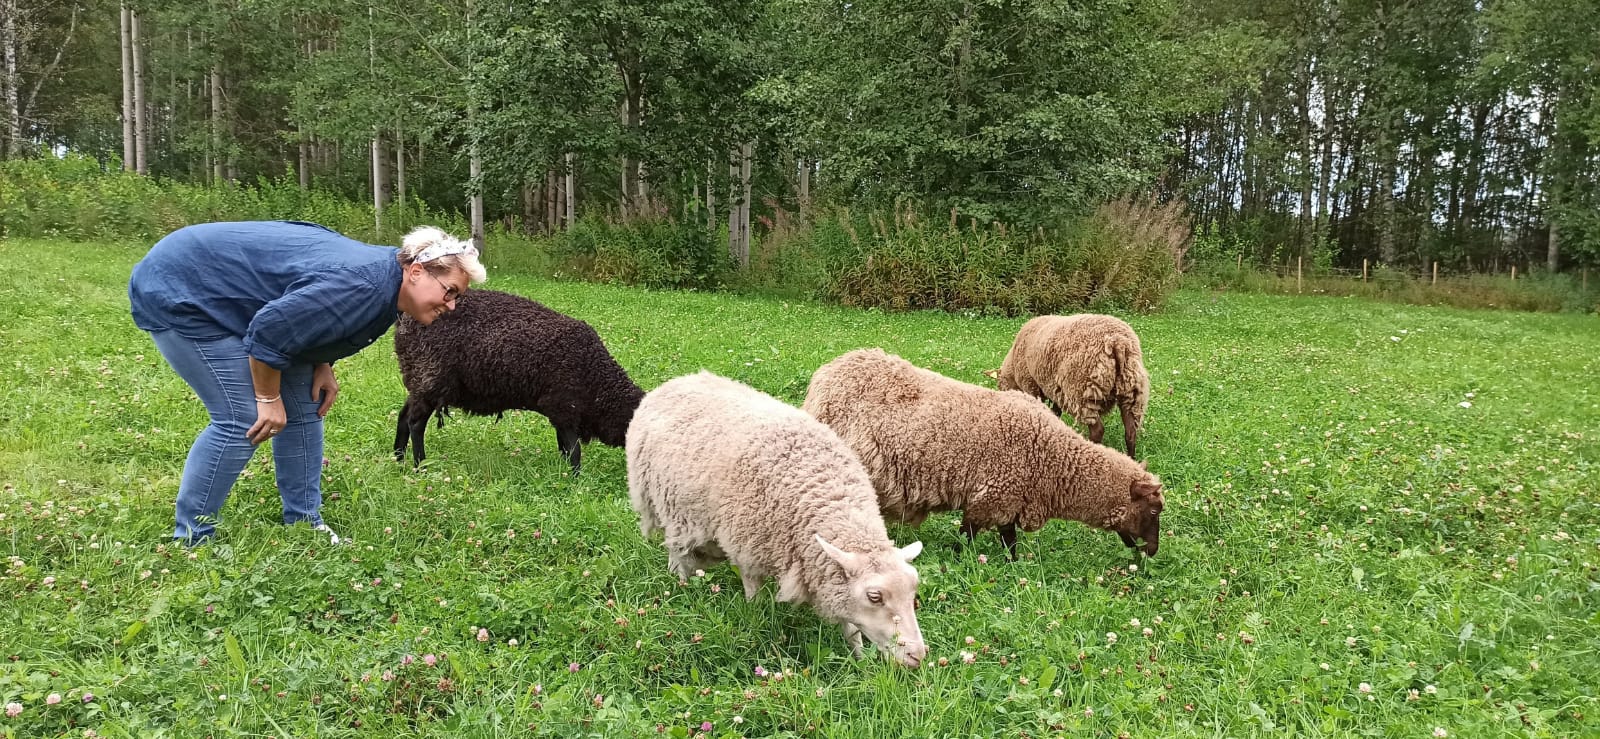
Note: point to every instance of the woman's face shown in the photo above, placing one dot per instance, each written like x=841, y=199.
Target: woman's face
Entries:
x=426, y=296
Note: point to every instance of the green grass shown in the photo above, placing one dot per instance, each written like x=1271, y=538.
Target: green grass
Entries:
x=1337, y=518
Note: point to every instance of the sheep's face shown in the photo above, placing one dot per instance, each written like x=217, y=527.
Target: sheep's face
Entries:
x=1144, y=519
x=881, y=599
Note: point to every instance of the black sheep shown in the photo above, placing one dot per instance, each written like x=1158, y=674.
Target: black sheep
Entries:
x=498, y=352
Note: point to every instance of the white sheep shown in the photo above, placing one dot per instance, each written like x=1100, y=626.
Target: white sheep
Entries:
x=1083, y=364
x=933, y=444
x=729, y=472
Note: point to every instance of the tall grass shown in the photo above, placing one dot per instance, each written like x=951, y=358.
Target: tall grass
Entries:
x=1125, y=256
x=76, y=197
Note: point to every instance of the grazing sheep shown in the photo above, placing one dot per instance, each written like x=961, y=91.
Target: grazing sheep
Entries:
x=932, y=444
x=498, y=352
x=1084, y=365
x=729, y=472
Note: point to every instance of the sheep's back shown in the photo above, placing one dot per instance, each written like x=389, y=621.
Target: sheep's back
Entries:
x=758, y=472
x=928, y=441
x=477, y=356
x=1072, y=360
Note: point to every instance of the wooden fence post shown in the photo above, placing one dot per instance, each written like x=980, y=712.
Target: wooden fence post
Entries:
x=1299, y=272
x=1435, y=272
x=1240, y=265
x=1513, y=273
x=1363, y=269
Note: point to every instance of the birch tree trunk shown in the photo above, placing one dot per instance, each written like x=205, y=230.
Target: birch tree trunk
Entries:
x=475, y=171
x=379, y=176
x=747, y=151
x=739, y=209
x=475, y=161
x=711, y=197
x=140, y=120
x=129, y=158
x=552, y=191
x=8, y=29
x=1307, y=219
x=526, y=196
x=1553, y=254
x=569, y=192
x=805, y=185
x=400, y=167
x=733, y=207
x=216, y=125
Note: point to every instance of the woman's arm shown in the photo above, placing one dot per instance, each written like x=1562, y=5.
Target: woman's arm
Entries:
x=270, y=414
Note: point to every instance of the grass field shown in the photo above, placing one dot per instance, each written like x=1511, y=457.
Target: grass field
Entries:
x=1383, y=522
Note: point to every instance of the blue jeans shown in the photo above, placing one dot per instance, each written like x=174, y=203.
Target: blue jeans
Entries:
x=219, y=372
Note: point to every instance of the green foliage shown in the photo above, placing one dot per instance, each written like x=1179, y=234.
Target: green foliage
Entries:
x=75, y=197
x=1356, y=493
x=1123, y=257
x=1022, y=112
x=650, y=251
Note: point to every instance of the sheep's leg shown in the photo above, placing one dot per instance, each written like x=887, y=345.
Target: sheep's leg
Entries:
x=752, y=582
x=1097, y=430
x=684, y=556
x=681, y=561
x=402, y=431
x=969, y=530
x=1130, y=431
x=852, y=636
x=420, y=414
x=571, y=448
x=1008, y=536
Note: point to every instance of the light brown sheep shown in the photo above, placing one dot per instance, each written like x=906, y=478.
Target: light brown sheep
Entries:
x=729, y=472
x=1082, y=364
x=932, y=444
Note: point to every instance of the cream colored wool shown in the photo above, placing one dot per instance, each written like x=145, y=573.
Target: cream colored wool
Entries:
x=931, y=443
x=729, y=472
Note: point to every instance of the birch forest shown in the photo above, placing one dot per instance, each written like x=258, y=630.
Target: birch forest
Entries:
x=1463, y=132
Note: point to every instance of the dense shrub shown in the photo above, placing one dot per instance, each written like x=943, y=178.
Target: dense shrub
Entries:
x=1125, y=256
x=652, y=251
x=77, y=198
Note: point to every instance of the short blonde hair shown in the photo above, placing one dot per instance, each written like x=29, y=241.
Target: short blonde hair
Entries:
x=457, y=254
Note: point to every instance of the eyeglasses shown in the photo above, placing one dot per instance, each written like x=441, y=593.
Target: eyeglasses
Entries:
x=450, y=291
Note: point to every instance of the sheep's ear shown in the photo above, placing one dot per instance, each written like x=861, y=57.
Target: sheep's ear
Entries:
x=1144, y=464
x=845, y=559
x=992, y=374
x=909, y=551
x=1142, y=489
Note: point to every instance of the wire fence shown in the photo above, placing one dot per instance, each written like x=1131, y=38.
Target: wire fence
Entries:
x=1433, y=273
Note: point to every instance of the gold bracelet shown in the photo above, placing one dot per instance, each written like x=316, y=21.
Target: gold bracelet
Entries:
x=272, y=399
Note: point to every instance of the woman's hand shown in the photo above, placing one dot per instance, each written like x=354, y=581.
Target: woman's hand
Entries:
x=270, y=419
x=324, y=388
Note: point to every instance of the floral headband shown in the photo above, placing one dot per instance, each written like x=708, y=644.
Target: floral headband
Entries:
x=443, y=249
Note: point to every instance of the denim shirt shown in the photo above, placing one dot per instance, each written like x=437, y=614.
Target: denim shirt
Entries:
x=296, y=293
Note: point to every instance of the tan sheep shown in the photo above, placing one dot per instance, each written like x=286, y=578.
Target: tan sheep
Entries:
x=932, y=444
x=729, y=472
x=1083, y=364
